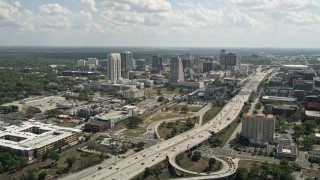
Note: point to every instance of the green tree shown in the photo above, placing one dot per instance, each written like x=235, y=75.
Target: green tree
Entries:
x=147, y=172
x=134, y=121
x=53, y=155
x=140, y=145
x=160, y=99
x=211, y=162
x=310, y=125
x=196, y=156
x=185, y=108
x=70, y=161
x=42, y=175
x=308, y=142
x=241, y=174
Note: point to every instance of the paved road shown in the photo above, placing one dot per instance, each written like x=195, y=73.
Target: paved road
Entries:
x=135, y=164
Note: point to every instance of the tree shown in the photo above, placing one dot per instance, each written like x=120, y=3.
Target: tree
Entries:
x=134, y=121
x=241, y=174
x=211, y=162
x=70, y=161
x=53, y=113
x=160, y=99
x=298, y=130
x=53, y=155
x=42, y=175
x=308, y=142
x=147, y=172
x=309, y=126
x=185, y=108
x=196, y=156
x=140, y=145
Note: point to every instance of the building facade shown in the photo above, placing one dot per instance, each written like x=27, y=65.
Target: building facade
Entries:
x=126, y=64
x=222, y=58
x=258, y=128
x=141, y=65
x=176, y=70
x=33, y=139
x=157, y=64
x=114, y=67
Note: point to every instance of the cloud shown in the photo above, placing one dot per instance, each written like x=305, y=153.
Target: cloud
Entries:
x=89, y=4
x=138, y=5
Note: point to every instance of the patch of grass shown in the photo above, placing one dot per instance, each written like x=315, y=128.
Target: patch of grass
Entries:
x=66, y=124
x=248, y=164
x=165, y=130
x=191, y=108
x=161, y=116
x=211, y=114
x=311, y=173
x=194, y=166
x=225, y=134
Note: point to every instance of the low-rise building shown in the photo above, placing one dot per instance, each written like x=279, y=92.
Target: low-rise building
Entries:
x=133, y=93
x=96, y=126
x=114, y=117
x=284, y=110
x=33, y=139
x=287, y=151
x=314, y=156
x=194, y=84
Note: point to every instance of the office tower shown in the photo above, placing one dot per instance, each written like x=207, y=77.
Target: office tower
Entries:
x=82, y=63
x=157, y=65
x=230, y=60
x=141, y=65
x=207, y=66
x=176, y=70
x=186, y=63
x=93, y=61
x=126, y=64
x=114, y=67
x=258, y=128
x=222, y=59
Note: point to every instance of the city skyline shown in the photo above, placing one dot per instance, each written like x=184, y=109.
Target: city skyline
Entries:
x=161, y=23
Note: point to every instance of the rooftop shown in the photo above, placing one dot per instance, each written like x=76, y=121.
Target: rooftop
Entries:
x=32, y=134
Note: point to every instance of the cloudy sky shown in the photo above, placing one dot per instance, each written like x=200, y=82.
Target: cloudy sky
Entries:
x=179, y=23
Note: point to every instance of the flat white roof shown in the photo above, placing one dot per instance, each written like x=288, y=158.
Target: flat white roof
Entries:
x=286, y=150
x=30, y=140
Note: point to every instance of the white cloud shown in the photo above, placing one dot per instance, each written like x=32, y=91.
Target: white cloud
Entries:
x=89, y=4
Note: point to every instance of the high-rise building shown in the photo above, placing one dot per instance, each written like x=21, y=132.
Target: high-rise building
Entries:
x=157, y=65
x=230, y=60
x=176, y=70
x=227, y=61
x=126, y=64
x=222, y=59
x=93, y=61
x=258, y=128
x=114, y=67
x=82, y=63
x=141, y=65
x=207, y=66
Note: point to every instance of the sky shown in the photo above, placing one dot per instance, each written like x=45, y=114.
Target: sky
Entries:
x=161, y=23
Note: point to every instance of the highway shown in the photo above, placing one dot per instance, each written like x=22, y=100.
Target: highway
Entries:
x=135, y=164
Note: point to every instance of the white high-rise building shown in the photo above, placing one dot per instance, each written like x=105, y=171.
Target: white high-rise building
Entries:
x=176, y=70
x=82, y=63
x=114, y=67
x=127, y=64
x=93, y=61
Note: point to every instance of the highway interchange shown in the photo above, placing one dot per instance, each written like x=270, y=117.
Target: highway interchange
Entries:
x=136, y=164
